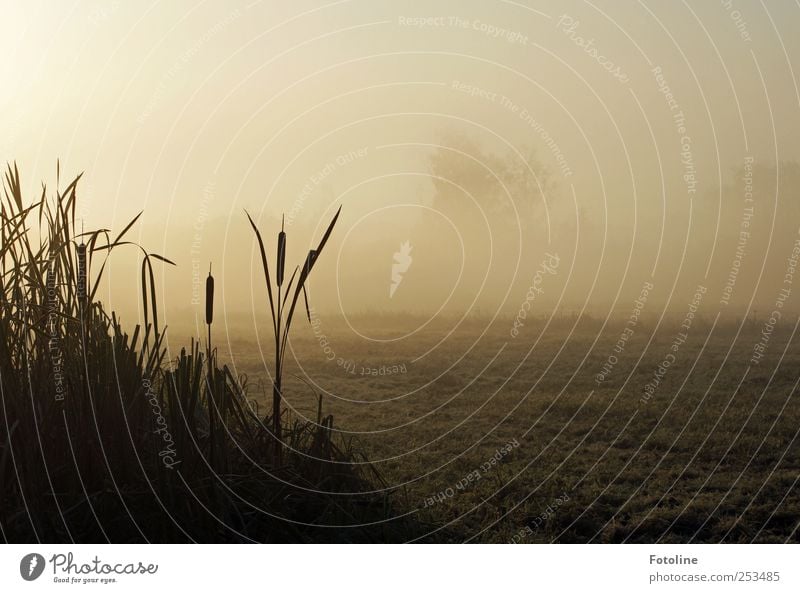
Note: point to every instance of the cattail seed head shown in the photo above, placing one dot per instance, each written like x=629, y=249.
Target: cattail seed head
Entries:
x=81, y=271
x=209, y=297
x=281, y=254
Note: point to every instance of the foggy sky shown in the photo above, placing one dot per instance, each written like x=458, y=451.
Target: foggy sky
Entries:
x=626, y=139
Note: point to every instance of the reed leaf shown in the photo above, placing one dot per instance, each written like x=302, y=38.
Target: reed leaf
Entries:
x=265, y=266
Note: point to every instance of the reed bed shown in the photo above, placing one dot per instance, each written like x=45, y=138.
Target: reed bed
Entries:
x=103, y=439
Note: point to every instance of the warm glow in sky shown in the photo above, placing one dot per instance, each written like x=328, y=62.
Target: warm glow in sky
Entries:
x=613, y=134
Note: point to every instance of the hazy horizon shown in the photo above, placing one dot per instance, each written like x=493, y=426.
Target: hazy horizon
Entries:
x=487, y=141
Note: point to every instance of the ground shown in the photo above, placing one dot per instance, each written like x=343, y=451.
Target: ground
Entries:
x=494, y=438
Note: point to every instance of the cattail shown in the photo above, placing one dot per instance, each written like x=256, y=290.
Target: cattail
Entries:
x=210, y=359
x=281, y=254
x=209, y=297
x=82, y=271
x=282, y=332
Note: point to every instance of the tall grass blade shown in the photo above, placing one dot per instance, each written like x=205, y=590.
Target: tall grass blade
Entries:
x=265, y=266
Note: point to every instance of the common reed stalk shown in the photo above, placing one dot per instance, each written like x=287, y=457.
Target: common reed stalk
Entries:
x=281, y=319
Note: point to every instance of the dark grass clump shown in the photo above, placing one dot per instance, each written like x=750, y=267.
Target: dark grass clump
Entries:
x=103, y=439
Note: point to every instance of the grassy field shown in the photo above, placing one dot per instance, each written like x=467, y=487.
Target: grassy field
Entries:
x=711, y=455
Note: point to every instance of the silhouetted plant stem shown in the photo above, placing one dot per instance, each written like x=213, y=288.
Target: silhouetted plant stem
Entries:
x=210, y=376
x=280, y=325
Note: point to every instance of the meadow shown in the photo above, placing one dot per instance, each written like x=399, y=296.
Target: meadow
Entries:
x=495, y=439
